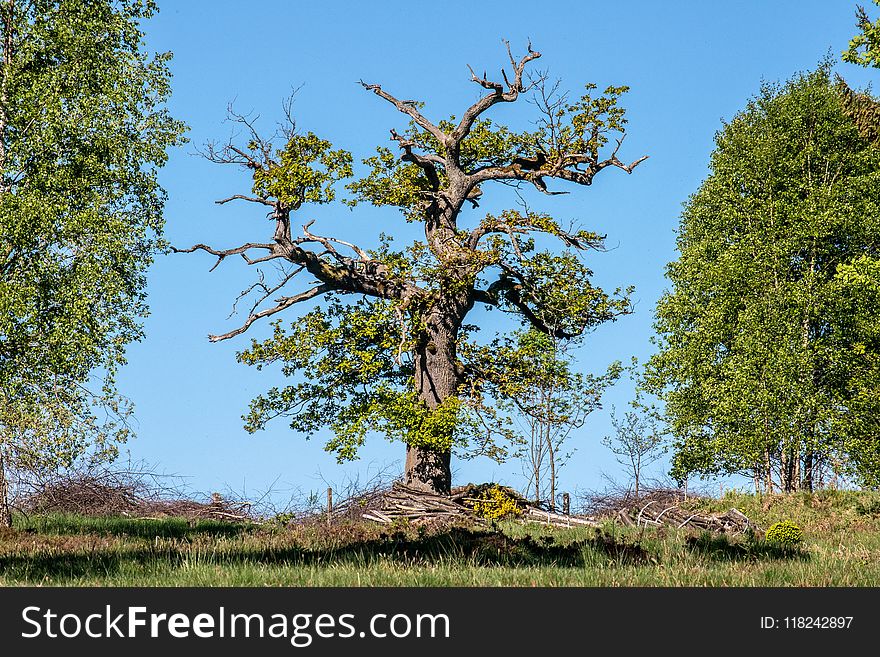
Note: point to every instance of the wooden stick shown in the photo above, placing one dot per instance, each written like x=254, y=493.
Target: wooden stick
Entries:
x=329, y=504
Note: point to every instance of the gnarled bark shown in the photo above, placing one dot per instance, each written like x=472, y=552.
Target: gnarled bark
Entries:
x=437, y=379
x=428, y=469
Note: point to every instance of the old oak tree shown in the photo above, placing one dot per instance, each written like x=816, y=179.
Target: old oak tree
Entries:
x=383, y=352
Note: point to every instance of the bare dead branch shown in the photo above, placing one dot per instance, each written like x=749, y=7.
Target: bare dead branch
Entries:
x=288, y=129
x=267, y=291
x=421, y=159
x=408, y=108
x=426, y=161
x=361, y=276
x=283, y=303
x=498, y=93
x=250, y=161
x=549, y=101
x=242, y=197
x=632, y=165
x=261, y=283
x=483, y=82
x=242, y=250
x=491, y=225
x=326, y=241
x=534, y=170
x=263, y=145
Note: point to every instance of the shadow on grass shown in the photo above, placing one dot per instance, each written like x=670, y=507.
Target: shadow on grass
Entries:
x=54, y=525
x=60, y=568
x=721, y=548
x=493, y=548
x=454, y=546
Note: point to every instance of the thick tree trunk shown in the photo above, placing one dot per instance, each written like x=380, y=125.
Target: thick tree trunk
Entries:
x=5, y=513
x=428, y=470
x=437, y=377
x=808, y=471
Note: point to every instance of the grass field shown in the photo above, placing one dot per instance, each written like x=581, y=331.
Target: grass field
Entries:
x=841, y=547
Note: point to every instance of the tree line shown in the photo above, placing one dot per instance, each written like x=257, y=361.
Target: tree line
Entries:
x=767, y=355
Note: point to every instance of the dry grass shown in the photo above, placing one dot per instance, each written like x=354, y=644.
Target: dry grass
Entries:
x=841, y=548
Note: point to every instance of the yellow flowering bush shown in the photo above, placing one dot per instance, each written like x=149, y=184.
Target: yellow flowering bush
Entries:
x=785, y=533
x=495, y=503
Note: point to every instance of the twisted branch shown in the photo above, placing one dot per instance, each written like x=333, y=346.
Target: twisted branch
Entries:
x=508, y=289
x=408, y=107
x=283, y=303
x=498, y=94
x=242, y=250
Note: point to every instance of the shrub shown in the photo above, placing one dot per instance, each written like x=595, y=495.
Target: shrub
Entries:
x=868, y=508
x=283, y=519
x=784, y=533
x=495, y=503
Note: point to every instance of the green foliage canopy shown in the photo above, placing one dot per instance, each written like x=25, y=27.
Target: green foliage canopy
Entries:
x=764, y=363
x=83, y=130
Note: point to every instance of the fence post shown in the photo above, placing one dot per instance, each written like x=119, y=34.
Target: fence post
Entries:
x=329, y=505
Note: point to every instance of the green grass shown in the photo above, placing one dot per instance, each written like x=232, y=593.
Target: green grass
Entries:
x=841, y=547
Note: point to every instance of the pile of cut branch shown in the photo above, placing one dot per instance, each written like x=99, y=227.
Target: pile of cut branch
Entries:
x=137, y=494
x=217, y=509
x=84, y=494
x=403, y=503
x=655, y=513
x=607, y=503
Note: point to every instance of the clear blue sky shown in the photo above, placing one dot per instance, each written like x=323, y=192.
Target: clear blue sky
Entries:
x=690, y=64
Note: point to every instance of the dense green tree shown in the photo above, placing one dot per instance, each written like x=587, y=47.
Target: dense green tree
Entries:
x=82, y=133
x=855, y=300
x=382, y=353
x=759, y=363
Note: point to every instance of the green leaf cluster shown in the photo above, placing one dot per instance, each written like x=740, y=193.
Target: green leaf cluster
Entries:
x=864, y=48
x=306, y=171
x=354, y=359
x=584, y=126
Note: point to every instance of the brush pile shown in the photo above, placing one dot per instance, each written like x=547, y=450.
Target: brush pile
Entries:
x=468, y=504
x=110, y=493
x=465, y=503
x=655, y=513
